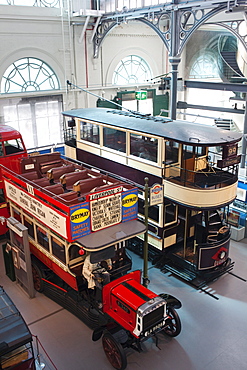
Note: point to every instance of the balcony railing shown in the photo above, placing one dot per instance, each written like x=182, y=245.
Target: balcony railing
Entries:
x=211, y=178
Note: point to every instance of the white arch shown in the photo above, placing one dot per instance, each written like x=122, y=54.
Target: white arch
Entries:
x=36, y=54
x=124, y=53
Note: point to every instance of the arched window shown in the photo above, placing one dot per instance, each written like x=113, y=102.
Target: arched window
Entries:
x=131, y=70
x=41, y=3
x=205, y=66
x=37, y=117
x=28, y=74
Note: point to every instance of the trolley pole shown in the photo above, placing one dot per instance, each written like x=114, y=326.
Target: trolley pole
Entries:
x=145, y=280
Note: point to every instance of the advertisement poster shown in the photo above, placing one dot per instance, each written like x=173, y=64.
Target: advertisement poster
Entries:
x=106, y=208
x=129, y=205
x=45, y=214
x=80, y=220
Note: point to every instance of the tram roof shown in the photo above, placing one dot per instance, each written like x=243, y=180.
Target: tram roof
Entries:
x=178, y=130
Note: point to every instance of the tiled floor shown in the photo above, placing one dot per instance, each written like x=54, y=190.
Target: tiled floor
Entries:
x=213, y=336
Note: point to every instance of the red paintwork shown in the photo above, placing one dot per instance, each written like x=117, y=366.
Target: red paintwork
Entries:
x=65, y=276
x=62, y=209
x=4, y=212
x=12, y=160
x=115, y=292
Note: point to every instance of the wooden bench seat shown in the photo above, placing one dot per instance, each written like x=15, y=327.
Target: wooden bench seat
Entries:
x=55, y=189
x=85, y=186
x=46, y=166
x=33, y=175
x=69, y=179
x=42, y=182
x=55, y=173
x=69, y=198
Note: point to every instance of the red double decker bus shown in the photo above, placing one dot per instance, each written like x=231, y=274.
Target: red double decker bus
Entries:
x=78, y=219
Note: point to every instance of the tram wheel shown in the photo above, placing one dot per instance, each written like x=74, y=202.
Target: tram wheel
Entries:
x=114, y=352
x=174, y=323
x=37, y=278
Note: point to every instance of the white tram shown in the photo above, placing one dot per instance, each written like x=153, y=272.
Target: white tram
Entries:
x=198, y=166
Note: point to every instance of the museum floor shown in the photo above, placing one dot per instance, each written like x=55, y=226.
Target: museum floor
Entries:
x=213, y=336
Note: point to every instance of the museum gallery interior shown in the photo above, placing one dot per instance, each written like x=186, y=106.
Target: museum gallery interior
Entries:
x=123, y=184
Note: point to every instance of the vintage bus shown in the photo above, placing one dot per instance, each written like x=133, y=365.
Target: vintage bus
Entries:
x=12, y=148
x=77, y=216
x=197, y=166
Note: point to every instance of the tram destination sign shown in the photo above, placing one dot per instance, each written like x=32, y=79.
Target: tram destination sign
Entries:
x=221, y=163
x=156, y=194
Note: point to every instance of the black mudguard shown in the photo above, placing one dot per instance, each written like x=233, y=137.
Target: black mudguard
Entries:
x=171, y=301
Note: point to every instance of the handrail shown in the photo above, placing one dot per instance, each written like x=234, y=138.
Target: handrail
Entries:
x=221, y=241
x=232, y=71
x=202, y=179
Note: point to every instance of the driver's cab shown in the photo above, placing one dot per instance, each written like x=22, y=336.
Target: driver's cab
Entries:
x=121, y=261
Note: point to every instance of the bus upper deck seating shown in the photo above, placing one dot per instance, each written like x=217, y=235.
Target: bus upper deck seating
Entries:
x=41, y=163
x=69, y=198
x=68, y=179
x=85, y=186
x=55, y=189
x=55, y=173
x=108, y=186
x=42, y=182
x=33, y=175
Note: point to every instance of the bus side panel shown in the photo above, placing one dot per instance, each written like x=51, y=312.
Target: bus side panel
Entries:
x=65, y=276
x=120, y=169
x=4, y=212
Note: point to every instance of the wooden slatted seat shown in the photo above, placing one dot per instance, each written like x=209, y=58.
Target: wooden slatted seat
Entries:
x=85, y=186
x=55, y=189
x=69, y=198
x=46, y=166
x=69, y=179
x=33, y=175
x=42, y=182
x=55, y=173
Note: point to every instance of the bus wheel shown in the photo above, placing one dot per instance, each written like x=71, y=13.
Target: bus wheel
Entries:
x=114, y=352
x=173, y=323
x=37, y=278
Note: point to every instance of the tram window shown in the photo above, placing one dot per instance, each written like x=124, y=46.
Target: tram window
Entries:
x=43, y=238
x=144, y=147
x=89, y=132
x=193, y=151
x=28, y=223
x=153, y=211
x=172, y=150
x=1, y=149
x=13, y=146
x=114, y=139
x=170, y=213
x=58, y=249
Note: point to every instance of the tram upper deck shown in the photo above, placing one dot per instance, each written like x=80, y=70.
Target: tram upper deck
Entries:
x=188, y=158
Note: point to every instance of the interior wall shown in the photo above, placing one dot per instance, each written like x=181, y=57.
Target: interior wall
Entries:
x=96, y=74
